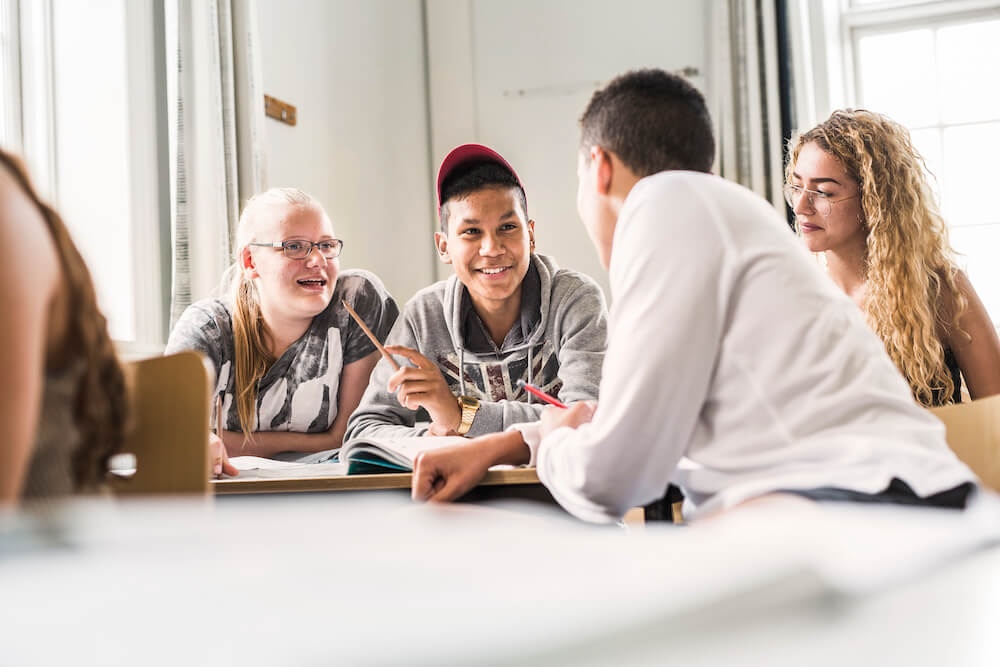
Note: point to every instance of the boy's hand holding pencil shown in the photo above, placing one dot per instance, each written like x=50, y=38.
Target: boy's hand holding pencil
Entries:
x=423, y=386
x=417, y=386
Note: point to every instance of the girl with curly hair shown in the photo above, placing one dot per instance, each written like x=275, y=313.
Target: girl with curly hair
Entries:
x=860, y=196
x=63, y=401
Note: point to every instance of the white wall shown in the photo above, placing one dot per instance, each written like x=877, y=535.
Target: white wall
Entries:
x=354, y=69
x=516, y=76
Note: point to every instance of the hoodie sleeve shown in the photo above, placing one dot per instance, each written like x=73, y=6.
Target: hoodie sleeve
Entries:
x=580, y=325
x=583, y=338
x=379, y=414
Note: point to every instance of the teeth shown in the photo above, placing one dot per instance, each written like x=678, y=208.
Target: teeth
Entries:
x=492, y=271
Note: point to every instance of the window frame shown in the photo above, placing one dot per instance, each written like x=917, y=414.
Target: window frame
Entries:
x=856, y=22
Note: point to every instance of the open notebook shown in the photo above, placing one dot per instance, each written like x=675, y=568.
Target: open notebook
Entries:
x=361, y=456
x=369, y=456
x=256, y=467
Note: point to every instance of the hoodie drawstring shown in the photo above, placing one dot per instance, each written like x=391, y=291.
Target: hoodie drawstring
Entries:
x=528, y=372
x=461, y=371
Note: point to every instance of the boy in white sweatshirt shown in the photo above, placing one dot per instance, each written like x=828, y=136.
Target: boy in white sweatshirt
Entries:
x=726, y=346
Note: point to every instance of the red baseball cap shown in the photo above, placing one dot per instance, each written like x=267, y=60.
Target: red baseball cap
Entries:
x=467, y=154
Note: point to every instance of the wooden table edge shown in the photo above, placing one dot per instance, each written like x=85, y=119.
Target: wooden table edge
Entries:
x=356, y=482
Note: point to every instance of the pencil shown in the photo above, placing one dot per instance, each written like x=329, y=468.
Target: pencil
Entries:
x=371, y=336
x=218, y=423
x=532, y=389
x=218, y=416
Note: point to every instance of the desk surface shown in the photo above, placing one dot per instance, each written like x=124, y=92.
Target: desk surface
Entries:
x=375, y=579
x=356, y=482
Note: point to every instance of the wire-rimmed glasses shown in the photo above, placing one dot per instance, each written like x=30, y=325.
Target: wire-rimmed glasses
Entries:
x=817, y=201
x=300, y=248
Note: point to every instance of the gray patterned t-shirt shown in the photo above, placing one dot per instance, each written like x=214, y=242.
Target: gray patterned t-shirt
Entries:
x=299, y=392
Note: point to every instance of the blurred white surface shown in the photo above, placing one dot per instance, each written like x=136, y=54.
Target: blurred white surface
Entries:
x=354, y=579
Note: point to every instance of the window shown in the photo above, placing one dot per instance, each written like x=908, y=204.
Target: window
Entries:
x=79, y=103
x=934, y=67
x=10, y=77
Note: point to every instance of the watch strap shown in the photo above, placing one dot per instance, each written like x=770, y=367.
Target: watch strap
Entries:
x=469, y=407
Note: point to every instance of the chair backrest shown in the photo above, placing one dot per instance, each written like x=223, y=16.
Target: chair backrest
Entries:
x=974, y=435
x=169, y=434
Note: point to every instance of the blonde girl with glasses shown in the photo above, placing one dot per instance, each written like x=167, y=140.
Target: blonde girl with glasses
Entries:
x=63, y=404
x=860, y=196
x=291, y=363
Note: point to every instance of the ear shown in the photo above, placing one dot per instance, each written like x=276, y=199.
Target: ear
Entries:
x=604, y=169
x=247, y=263
x=441, y=241
x=531, y=235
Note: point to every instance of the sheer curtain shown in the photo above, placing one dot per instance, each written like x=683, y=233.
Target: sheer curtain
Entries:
x=744, y=95
x=216, y=112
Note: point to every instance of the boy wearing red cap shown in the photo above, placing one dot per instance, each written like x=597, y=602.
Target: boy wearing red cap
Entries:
x=507, y=314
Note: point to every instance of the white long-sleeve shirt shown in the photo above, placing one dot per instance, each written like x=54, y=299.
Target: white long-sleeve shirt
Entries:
x=728, y=347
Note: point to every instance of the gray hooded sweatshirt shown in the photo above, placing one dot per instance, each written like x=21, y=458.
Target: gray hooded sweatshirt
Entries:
x=560, y=336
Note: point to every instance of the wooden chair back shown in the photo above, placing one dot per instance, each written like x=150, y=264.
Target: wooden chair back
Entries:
x=169, y=434
x=973, y=432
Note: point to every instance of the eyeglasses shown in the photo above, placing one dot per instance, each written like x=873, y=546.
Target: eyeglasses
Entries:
x=300, y=248
x=818, y=201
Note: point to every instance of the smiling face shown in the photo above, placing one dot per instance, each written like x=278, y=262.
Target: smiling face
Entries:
x=815, y=169
x=290, y=289
x=489, y=244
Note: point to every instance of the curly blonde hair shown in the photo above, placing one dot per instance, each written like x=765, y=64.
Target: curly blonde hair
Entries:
x=909, y=262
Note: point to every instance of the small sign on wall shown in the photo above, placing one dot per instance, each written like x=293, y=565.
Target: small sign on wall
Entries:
x=279, y=110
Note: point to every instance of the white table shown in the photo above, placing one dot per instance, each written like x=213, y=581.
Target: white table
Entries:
x=362, y=579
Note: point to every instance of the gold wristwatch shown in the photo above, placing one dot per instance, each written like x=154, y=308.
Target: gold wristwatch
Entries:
x=469, y=406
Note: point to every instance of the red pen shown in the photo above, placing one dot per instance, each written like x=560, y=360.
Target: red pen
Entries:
x=532, y=389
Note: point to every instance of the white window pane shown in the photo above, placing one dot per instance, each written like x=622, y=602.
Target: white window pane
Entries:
x=969, y=65
x=896, y=73
x=971, y=169
x=91, y=132
x=978, y=245
x=928, y=144
x=10, y=93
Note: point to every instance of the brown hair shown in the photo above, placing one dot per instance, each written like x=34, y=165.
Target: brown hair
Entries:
x=909, y=265
x=101, y=402
x=251, y=336
x=653, y=121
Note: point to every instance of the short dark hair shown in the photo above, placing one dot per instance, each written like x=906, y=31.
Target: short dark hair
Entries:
x=476, y=176
x=653, y=121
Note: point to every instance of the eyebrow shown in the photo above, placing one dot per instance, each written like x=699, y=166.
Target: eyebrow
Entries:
x=475, y=221
x=818, y=180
